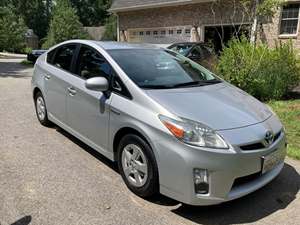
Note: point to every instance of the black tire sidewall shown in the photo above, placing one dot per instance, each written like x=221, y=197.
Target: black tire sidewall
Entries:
x=45, y=121
x=151, y=186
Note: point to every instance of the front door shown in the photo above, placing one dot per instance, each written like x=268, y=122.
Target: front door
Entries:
x=88, y=111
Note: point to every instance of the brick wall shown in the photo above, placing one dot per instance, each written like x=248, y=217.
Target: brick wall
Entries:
x=193, y=14
x=201, y=15
x=269, y=32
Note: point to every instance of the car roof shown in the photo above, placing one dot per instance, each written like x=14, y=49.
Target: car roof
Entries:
x=110, y=45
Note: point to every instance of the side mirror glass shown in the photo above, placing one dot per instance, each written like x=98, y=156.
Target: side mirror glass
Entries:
x=97, y=84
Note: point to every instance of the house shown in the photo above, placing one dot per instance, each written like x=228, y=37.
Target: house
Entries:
x=168, y=21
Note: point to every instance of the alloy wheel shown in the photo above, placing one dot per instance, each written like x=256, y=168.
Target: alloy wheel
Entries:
x=134, y=164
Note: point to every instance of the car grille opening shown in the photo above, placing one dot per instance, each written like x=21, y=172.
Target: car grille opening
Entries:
x=246, y=179
x=258, y=145
x=254, y=146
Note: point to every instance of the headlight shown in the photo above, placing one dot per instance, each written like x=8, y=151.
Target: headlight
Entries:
x=194, y=133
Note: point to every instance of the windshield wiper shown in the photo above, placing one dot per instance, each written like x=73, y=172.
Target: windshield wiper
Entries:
x=156, y=86
x=197, y=83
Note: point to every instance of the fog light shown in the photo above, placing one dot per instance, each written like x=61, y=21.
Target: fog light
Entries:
x=201, y=181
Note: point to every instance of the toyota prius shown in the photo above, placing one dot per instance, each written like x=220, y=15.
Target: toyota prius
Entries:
x=172, y=126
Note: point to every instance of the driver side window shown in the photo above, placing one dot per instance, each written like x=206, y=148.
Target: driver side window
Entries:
x=196, y=53
x=91, y=64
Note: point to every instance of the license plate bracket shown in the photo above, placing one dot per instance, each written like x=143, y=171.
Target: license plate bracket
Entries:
x=271, y=160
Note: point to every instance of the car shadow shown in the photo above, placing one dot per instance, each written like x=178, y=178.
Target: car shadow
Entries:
x=23, y=221
x=13, y=69
x=157, y=199
x=88, y=149
x=275, y=196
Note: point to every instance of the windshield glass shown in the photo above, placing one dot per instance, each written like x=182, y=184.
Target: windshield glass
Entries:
x=157, y=68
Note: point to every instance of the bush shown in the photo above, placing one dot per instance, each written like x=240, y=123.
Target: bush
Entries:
x=261, y=71
x=64, y=25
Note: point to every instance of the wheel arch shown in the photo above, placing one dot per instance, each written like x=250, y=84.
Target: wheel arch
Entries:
x=124, y=131
x=35, y=91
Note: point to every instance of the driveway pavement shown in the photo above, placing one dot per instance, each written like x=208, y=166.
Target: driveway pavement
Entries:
x=48, y=177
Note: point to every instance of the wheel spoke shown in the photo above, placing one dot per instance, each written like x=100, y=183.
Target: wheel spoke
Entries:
x=137, y=178
x=141, y=167
x=127, y=171
x=135, y=154
x=128, y=155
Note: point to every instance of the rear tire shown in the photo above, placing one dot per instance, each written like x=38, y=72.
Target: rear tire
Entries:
x=41, y=109
x=137, y=166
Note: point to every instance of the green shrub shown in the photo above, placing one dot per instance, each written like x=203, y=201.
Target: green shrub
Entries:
x=65, y=25
x=266, y=73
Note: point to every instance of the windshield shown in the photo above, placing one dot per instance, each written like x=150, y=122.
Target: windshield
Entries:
x=157, y=68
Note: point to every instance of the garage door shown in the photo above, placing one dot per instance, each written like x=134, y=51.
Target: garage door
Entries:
x=161, y=35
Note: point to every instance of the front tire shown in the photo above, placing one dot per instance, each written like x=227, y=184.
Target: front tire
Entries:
x=137, y=166
x=41, y=110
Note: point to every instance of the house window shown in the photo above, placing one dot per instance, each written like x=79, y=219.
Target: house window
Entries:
x=155, y=32
x=187, y=31
x=141, y=33
x=163, y=32
x=179, y=31
x=289, y=19
x=171, y=32
x=148, y=32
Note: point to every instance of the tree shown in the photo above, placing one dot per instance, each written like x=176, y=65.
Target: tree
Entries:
x=110, y=29
x=259, y=9
x=253, y=11
x=12, y=30
x=35, y=13
x=64, y=25
x=91, y=12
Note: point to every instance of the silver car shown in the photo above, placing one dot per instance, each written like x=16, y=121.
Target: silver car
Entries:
x=174, y=127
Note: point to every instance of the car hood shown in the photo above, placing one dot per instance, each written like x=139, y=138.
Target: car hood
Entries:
x=219, y=106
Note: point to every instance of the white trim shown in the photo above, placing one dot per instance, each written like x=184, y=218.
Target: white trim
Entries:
x=279, y=28
x=287, y=36
x=157, y=5
x=118, y=28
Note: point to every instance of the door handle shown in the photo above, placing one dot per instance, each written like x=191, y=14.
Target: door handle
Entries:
x=72, y=91
x=47, y=77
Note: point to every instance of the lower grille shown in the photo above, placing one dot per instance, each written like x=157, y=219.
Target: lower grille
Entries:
x=246, y=179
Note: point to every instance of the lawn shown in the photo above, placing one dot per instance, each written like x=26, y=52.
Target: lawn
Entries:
x=289, y=114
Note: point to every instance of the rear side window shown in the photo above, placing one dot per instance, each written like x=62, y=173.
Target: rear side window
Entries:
x=92, y=64
x=63, y=57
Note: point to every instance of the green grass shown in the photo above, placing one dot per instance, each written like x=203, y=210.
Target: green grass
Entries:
x=27, y=63
x=289, y=114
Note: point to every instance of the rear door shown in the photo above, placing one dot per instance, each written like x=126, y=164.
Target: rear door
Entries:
x=58, y=71
x=88, y=111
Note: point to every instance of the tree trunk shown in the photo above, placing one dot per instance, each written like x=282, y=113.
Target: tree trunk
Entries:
x=254, y=24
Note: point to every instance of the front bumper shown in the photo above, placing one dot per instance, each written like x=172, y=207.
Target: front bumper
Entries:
x=177, y=161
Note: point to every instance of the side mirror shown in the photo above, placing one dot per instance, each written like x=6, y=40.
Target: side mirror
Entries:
x=97, y=84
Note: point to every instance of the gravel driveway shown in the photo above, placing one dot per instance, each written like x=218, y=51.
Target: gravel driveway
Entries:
x=48, y=177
